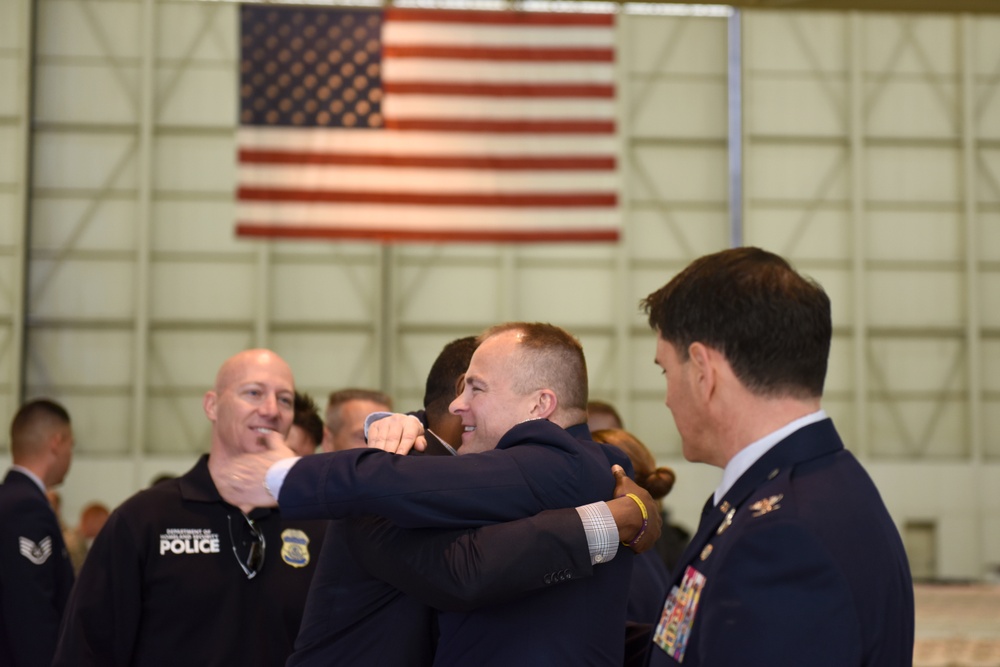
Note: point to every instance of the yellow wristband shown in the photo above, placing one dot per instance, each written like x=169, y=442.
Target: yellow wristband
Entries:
x=645, y=520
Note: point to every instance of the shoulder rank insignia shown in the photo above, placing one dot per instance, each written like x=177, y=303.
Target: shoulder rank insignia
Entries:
x=765, y=505
x=294, y=547
x=36, y=553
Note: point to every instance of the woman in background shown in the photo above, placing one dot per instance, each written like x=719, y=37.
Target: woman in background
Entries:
x=650, y=576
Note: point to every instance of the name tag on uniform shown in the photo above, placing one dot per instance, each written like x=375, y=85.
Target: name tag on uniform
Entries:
x=674, y=629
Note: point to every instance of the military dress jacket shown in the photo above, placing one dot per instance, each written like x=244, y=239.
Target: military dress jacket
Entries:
x=799, y=564
x=35, y=574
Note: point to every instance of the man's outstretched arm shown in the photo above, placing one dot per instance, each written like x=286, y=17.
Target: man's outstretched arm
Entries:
x=460, y=570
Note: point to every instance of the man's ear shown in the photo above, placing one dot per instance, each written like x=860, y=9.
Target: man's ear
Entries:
x=545, y=404
x=702, y=361
x=54, y=442
x=209, y=402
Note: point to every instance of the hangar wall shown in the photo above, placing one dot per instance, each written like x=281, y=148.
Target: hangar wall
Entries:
x=870, y=157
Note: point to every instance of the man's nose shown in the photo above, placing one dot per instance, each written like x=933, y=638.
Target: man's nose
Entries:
x=269, y=406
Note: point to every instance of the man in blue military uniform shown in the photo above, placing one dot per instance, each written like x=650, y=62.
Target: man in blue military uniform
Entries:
x=35, y=570
x=796, y=560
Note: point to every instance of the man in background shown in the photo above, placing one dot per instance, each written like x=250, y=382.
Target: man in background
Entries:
x=35, y=570
x=178, y=576
x=602, y=415
x=443, y=430
x=346, y=410
x=79, y=539
x=306, y=434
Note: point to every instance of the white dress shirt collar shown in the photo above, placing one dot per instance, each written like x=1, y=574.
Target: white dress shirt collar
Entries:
x=750, y=454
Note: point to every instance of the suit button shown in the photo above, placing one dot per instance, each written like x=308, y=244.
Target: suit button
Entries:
x=548, y=579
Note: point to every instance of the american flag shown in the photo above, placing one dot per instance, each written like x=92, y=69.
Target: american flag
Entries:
x=427, y=125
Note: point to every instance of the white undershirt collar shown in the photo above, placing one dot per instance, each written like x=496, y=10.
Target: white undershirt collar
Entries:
x=750, y=454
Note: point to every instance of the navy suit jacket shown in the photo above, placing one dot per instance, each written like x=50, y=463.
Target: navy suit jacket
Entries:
x=536, y=466
x=808, y=568
x=349, y=613
x=35, y=574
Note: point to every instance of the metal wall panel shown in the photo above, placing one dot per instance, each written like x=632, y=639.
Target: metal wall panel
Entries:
x=879, y=183
x=15, y=95
x=863, y=163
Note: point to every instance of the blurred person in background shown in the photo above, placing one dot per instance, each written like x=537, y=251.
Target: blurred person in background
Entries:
x=650, y=577
x=36, y=574
x=306, y=434
x=346, y=410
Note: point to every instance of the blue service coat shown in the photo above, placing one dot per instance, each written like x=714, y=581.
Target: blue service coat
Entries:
x=35, y=574
x=799, y=564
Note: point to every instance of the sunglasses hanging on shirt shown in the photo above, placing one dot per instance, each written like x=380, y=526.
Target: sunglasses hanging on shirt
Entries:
x=251, y=543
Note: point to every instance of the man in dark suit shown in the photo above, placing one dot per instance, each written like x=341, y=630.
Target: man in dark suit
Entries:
x=374, y=575
x=348, y=607
x=523, y=411
x=35, y=570
x=796, y=560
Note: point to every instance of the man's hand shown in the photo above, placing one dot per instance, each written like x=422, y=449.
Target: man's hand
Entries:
x=628, y=516
x=397, y=434
x=240, y=477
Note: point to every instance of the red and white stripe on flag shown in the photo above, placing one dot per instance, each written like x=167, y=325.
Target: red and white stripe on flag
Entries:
x=474, y=126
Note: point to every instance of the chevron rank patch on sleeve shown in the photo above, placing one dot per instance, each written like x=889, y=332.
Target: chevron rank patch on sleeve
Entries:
x=36, y=553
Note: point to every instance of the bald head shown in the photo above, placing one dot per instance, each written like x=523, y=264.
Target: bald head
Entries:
x=254, y=393
x=236, y=367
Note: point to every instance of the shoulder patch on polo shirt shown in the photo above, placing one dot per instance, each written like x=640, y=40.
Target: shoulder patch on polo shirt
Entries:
x=37, y=553
x=294, y=547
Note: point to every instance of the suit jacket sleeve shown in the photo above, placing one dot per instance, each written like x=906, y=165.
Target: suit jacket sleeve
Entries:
x=537, y=466
x=460, y=570
x=30, y=607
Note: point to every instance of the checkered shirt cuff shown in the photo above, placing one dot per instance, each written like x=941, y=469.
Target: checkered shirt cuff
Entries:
x=602, y=532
